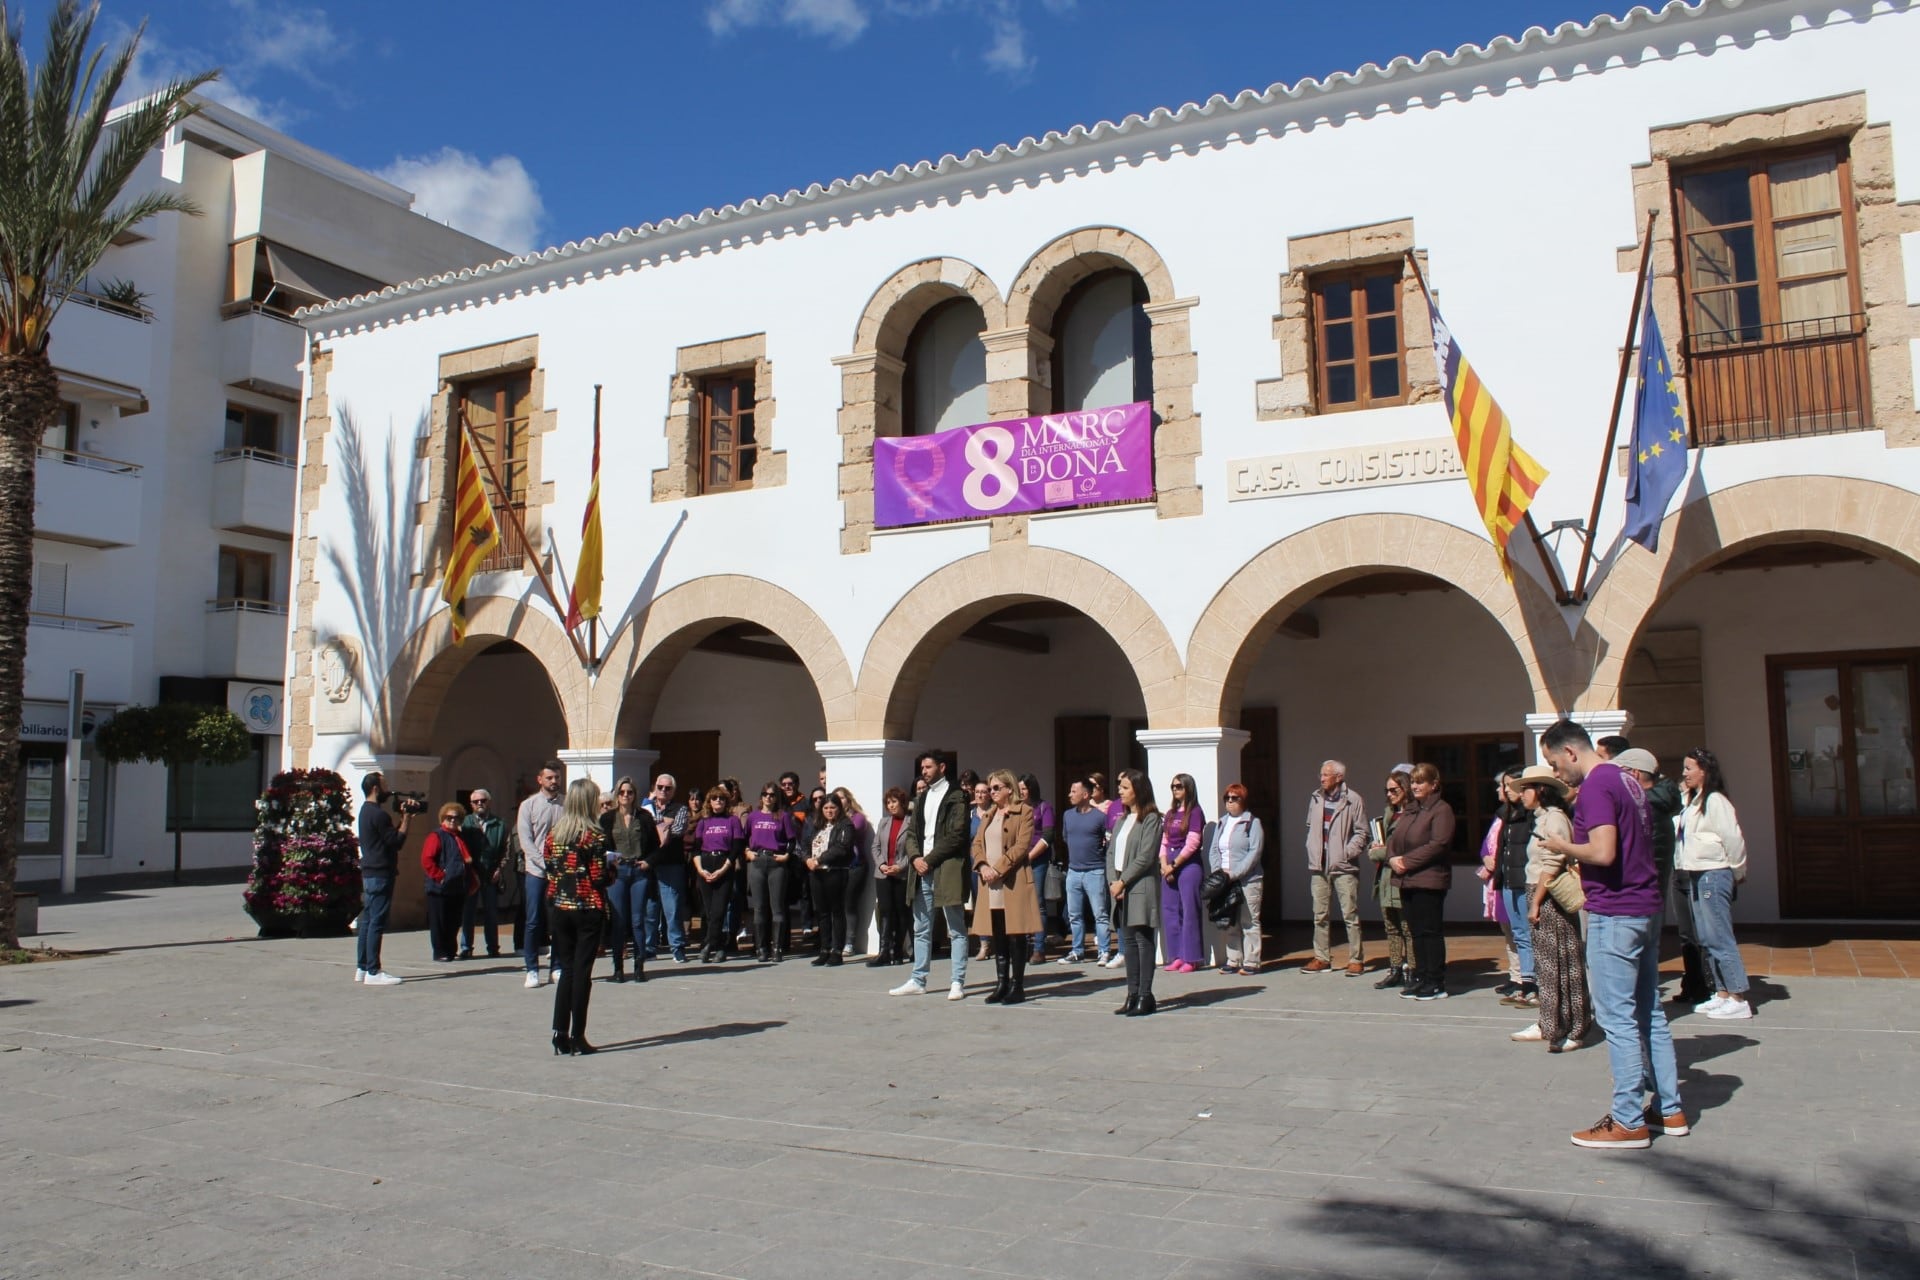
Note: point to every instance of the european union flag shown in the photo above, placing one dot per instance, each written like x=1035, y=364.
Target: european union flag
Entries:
x=1659, y=462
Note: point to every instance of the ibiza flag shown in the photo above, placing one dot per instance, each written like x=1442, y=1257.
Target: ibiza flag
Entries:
x=584, y=602
x=1504, y=479
x=1659, y=462
x=475, y=535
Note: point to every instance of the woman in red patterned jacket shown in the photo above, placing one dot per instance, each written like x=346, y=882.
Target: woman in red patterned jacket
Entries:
x=577, y=876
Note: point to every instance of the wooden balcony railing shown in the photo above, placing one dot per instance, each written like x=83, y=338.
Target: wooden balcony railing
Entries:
x=1777, y=381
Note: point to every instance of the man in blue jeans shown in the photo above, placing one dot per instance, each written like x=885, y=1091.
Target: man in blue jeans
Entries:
x=666, y=911
x=380, y=844
x=936, y=844
x=1613, y=842
x=1083, y=829
x=535, y=819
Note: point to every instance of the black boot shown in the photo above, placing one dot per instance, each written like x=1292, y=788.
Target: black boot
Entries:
x=1393, y=979
x=619, y=970
x=1144, y=1008
x=1002, y=983
x=1126, y=1010
x=1018, y=993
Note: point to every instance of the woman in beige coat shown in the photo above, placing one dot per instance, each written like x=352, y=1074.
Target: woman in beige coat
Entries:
x=1005, y=904
x=1133, y=866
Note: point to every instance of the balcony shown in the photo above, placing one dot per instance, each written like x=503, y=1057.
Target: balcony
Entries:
x=253, y=492
x=85, y=499
x=103, y=352
x=247, y=639
x=1777, y=381
x=261, y=351
x=58, y=643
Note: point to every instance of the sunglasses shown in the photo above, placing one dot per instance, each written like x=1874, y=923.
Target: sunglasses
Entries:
x=1231, y=798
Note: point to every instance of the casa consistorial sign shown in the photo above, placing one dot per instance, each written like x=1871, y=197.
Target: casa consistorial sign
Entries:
x=1363, y=466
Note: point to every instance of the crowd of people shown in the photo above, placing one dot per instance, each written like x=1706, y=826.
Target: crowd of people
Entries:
x=1586, y=852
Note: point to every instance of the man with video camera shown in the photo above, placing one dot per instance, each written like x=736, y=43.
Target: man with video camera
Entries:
x=380, y=843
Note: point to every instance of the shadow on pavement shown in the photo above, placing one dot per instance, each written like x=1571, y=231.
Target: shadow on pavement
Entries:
x=719, y=1031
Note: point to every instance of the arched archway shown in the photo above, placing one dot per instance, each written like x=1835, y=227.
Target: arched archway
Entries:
x=1065, y=261
x=909, y=293
x=416, y=685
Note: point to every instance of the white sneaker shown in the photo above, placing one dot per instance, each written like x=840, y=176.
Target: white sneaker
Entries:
x=1113, y=961
x=533, y=978
x=552, y=977
x=847, y=950
x=1072, y=957
x=1731, y=1010
x=958, y=991
x=383, y=979
x=359, y=975
x=1531, y=1034
x=1711, y=1003
x=1569, y=1044
x=908, y=988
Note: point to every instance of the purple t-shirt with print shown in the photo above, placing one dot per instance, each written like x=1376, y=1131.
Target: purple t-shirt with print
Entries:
x=1631, y=886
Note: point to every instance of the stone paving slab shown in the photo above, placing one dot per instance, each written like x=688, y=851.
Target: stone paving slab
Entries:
x=236, y=1106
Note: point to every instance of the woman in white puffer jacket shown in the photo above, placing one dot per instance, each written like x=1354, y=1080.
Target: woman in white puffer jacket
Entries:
x=1711, y=851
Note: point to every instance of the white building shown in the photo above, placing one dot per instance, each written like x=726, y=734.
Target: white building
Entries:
x=165, y=498
x=1240, y=263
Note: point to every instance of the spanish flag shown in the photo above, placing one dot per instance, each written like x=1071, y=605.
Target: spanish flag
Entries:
x=475, y=534
x=1503, y=477
x=584, y=601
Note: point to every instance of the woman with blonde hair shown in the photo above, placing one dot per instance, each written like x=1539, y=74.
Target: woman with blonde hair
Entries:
x=1004, y=908
x=859, y=873
x=577, y=876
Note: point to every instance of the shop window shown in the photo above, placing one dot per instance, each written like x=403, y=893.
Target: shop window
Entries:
x=498, y=412
x=945, y=383
x=729, y=449
x=253, y=430
x=1359, y=354
x=40, y=799
x=1102, y=344
x=1469, y=765
x=216, y=797
x=245, y=577
x=1775, y=335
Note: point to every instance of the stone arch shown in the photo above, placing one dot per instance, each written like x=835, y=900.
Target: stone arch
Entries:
x=938, y=608
x=419, y=677
x=1866, y=515
x=1031, y=306
x=1247, y=611
x=645, y=654
x=871, y=376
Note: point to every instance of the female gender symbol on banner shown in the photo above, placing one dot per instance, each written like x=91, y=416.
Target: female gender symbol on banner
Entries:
x=919, y=493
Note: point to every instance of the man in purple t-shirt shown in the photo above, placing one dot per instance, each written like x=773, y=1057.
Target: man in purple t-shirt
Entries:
x=1613, y=842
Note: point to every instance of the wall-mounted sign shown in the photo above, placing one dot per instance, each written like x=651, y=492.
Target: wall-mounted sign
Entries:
x=1022, y=464
x=261, y=707
x=47, y=721
x=1365, y=466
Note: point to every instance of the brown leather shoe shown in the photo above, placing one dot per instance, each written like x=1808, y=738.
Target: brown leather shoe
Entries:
x=1315, y=965
x=1674, y=1126
x=1355, y=969
x=1606, y=1134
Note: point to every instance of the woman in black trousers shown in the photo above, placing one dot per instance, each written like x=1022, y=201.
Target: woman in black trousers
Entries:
x=1419, y=853
x=578, y=874
x=889, y=854
x=829, y=855
x=1133, y=868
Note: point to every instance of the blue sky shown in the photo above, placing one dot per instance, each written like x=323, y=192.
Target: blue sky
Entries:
x=533, y=124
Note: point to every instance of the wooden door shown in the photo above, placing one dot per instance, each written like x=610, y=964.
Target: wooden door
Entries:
x=692, y=756
x=1845, y=812
x=1080, y=746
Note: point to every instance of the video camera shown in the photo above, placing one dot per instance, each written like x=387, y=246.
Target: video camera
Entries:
x=408, y=801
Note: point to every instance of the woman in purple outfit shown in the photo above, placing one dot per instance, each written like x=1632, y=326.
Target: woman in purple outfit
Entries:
x=1181, y=873
x=769, y=853
x=717, y=841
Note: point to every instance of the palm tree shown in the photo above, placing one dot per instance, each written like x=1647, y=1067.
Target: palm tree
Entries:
x=63, y=168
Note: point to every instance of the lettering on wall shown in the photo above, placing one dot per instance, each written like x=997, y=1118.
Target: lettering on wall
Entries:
x=1368, y=466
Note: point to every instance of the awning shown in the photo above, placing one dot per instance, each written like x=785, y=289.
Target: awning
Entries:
x=128, y=400
x=316, y=278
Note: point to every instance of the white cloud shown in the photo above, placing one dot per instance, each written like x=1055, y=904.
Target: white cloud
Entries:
x=158, y=64
x=841, y=21
x=1007, y=52
x=496, y=200
x=288, y=39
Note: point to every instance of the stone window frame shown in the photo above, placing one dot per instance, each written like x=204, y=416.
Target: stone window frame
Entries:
x=1294, y=393
x=682, y=477
x=433, y=515
x=1878, y=220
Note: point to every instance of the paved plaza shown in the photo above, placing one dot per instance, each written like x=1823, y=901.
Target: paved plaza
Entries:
x=196, y=1102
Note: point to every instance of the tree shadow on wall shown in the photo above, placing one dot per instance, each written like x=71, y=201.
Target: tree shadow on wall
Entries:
x=1673, y=1214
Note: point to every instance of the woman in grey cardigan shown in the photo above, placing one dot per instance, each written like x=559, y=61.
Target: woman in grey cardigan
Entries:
x=1135, y=887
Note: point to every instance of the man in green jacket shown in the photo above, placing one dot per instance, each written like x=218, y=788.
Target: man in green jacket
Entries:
x=936, y=839
x=486, y=836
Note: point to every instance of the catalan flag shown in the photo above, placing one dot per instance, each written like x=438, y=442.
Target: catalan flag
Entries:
x=1503, y=477
x=1659, y=463
x=584, y=601
x=474, y=533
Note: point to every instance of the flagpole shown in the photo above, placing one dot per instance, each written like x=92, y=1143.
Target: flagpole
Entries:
x=1547, y=561
x=520, y=527
x=593, y=623
x=1587, y=554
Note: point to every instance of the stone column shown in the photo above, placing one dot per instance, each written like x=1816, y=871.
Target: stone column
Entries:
x=606, y=764
x=1598, y=724
x=1212, y=758
x=867, y=769
x=403, y=773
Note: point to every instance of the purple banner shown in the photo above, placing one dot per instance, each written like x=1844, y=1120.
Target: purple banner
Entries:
x=1024, y=464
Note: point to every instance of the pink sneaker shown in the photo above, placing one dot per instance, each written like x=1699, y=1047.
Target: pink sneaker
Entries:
x=1183, y=966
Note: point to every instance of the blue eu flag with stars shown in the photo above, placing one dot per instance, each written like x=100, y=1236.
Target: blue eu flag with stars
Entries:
x=1659, y=462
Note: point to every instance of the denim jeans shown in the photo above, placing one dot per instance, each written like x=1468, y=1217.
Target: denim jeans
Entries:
x=669, y=891
x=483, y=906
x=1088, y=889
x=627, y=906
x=1519, y=902
x=1040, y=870
x=923, y=934
x=377, y=901
x=1623, y=973
x=534, y=935
x=1710, y=899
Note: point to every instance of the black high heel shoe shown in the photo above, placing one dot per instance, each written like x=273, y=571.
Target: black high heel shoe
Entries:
x=561, y=1045
x=1126, y=1010
x=1144, y=1009
x=581, y=1047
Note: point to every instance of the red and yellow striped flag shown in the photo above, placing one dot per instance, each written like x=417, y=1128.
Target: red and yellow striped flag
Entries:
x=1503, y=476
x=584, y=601
x=475, y=534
